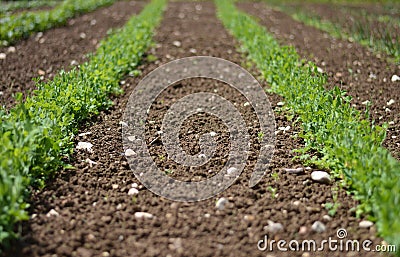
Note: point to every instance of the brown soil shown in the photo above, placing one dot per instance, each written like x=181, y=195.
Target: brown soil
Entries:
x=58, y=47
x=371, y=74
x=96, y=214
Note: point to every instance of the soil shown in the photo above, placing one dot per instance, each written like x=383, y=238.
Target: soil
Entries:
x=43, y=56
x=364, y=75
x=96, y=214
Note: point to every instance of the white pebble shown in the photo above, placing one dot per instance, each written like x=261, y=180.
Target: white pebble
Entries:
x=114, y=186
x=220, y=204
x=273, y=227
x=11, y=49
x=74, y=63
x=213, y=134
x=365, y=102
x=231, y=170
x=3, y=56
x=320, y=70
x=327, y=218
x=391, y=101
x=177, y=43
x=246, y=104
x=395, y=78
x=294, y=171
x=133, y=191
x=52, y=212
x=280, y=104
x=143, y=215
x=85, y=146
x=318, y=227
x=129, y=152
x=321, y=177
x=82, y=35
x=365, y=224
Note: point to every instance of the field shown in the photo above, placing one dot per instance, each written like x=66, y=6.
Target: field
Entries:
x=322, y=141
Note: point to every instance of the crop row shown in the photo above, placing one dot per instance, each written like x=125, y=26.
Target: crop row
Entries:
x=349, y=145
x=13, y=6
x=17, y=26
x=363, y=28
x=37, y=133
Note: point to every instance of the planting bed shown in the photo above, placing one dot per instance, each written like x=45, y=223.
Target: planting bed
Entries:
x=46, y=53
x=357, y=70
x=91, y=211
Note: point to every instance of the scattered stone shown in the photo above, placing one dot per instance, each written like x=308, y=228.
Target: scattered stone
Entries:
x=303, y=230
x=82, y=35
x=273, y=227
x=294, y=171
x=1, y=93
x=3, y=56
x=220, y=204
x=91, y=163
x=122, y=123
x=193, y=51
x=320, y=70
x=85, y=146
x=213, y=134
x=74, y=63
x=131, y=138
x=143, y=215
x=135, y=185
x=105, y=254
x=133, y=191
x=249, y=217
x=207, y=215
x=327, y=218
x=52, y=212
x=115, y=186
x=387, y=110
x=93, y=22
x=41, y=72
x=280, y=104
x=296, y=203
x=318, y=227
x=177, y=43
x=284, y=129
x=11, y=49
x=365, y=102
x=365, y=224
x=391, y=101
x=372, y=76
x=231, y=170
x=84, y=134
x=395, y=78
x=338, y=74
x=246, y=104
x=106, y=219
x=321, y=177
x=202, y=156
x=129, y=153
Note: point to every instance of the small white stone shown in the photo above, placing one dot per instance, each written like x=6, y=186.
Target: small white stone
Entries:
x=372, y=76
x=85, y=146
x=280, y=104
x=284, y=129
x=365, y=224
x=82, y=35
x=220, y=204
x=129, y=152
x=133, y=191
x=91, y=163
x=273, y=227
x=114, y=186
x=246, y=104
x=11, y=49
x=177, y=43
x=213, y=134
x=84, y=134
x=320, y=70
x=202, y=156
x=391, y=101
x=395, y=78
x=193, y=51
x=207, y=215
x=365, y=102
x=74, y=63
x=93, y=22
x=294, y=171
x=143, y=215
x=327, y=218
x=135, y=185
x=131, y=138
x=123, y=123
x=52, y=212
x=3, y=56
x=318, y=227
x=1, y=93
x=321, y=177
x=231, y=170
x=296, y=203
x=387, y=110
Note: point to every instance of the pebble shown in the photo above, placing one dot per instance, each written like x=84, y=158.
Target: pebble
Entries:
x=321, y=177
x=1, y=93
x=11, y=49
x=365, y=102
x=302, y=230
x=177, y=43
x=74, y=63
x=52, y=212
x=294, y=171
x=129, y=152
x=273, y=227
x=395, y=78
x=213, y=134
x=3, y=56
x=115, y=186
x=318, y=227
x=193, y=51
x=284, y=129
x=391, y=101
x=133, y=191
x=131, y=138
x=320, y=70
x=93, y=22
x=91, y=163
x=220, y=204
x=231, y=170
x=327, y=218
x=85, y=146
x=143, y=215
x=280, y=104
x=246, y=104
x=41, y=72
x=365, y=224
x=82, y=35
